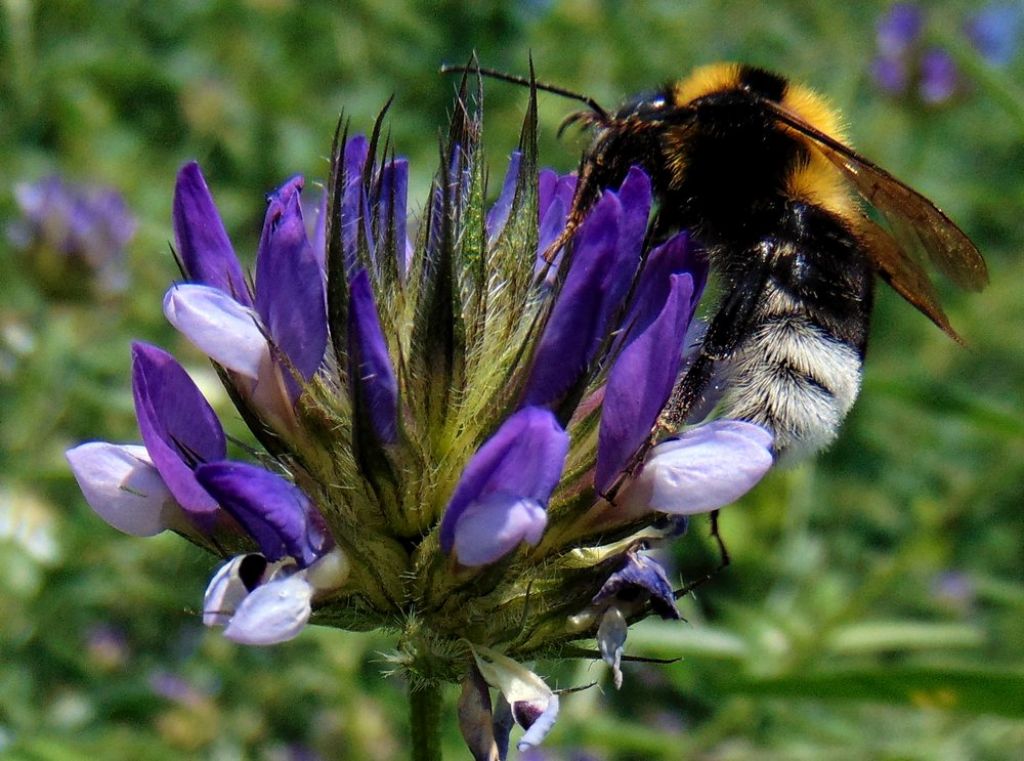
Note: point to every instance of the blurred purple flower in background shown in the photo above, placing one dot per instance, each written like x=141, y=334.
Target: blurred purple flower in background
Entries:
x=72, y=236
x=908, y=63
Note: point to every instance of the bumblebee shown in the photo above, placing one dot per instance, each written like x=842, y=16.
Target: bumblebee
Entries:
x=758, y=170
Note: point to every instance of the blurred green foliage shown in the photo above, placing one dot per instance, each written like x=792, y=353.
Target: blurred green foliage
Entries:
x=875, y=606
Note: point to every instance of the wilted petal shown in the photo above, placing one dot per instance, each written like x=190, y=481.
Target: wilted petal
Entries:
x=178, y=426
x=224, y=330
x=516, y=682
x=495, y=525
x=498, y=214
x=374, y=386
x=275, y=512
x=524, y=458
x=203, y=244
x=704, y=469
x=640, y=383
x=289, y=284
x=640, y=580
x=611, y=640
x=230, y=586
x=274, y=612
x=476, y=719
x=122, y=486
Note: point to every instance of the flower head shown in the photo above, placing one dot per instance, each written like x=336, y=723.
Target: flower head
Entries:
x=459, y=434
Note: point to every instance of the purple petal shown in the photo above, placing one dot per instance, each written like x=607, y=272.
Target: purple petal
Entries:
x=203, y=244
x=675, y=256
x=641, y=579
x=220, y=327
x=391, y=213
x=553, y=210
x=577, y=322
x=272, y=613
x=494, y=525
x=640, y=383
x=354, y=203
x=275, y=512
x=289, y=284
x=178, y=426
x=498, y=214
x=705, y=468
x=374, y=386
x=635, y=197
x=318, y=233
x=523, y=458
x=939, y=76
x=122, y=486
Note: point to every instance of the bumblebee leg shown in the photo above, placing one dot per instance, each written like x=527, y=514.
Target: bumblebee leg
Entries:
x=728, y=328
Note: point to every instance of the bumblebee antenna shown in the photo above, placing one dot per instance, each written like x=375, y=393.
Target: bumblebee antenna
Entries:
x=592, y=104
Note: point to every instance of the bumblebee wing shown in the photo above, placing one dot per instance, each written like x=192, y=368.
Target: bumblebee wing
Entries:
x=904, y=275
x=918, y=225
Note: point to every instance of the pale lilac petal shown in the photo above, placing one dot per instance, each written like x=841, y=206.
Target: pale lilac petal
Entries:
x=274, y=612
x=203, y=244
x=707, y=467
x=122, y=486
x=538, y=717
x=179, y=427
x=220, y=327
x=275, y=512
x=523, y=458
x=230, y=586
x=494, y=526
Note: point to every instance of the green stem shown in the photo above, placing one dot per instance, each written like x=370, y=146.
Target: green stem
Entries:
x=425, y=715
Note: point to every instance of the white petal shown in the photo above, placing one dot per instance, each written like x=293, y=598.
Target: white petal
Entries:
x=329, y=572
x=220, y=327
x=225, y=592
x=122, y=486
x=706, y=468
x=273, y=613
